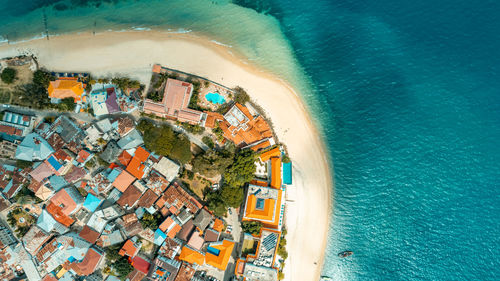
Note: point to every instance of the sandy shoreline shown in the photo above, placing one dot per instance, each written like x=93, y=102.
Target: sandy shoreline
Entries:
x=134, y=53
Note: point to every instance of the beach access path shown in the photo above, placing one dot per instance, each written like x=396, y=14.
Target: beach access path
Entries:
x=134, y=53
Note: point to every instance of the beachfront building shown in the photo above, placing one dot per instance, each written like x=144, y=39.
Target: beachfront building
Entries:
x=266, y=205
x=66, y=87
x=262, y=265
x=246, y=130
x=104, y=101
x=175, y=102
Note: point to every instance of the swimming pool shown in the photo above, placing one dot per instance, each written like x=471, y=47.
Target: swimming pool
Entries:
x=215, y=98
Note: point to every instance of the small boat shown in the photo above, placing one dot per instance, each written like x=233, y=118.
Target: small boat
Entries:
x=345, y=254
x=325, y=278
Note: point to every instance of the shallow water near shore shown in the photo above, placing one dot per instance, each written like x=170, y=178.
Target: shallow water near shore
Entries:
x=407, y=97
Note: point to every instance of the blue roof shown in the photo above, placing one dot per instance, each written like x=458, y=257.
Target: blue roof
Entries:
x=91, y=202
x=113, y=175
x=9, y=168
x=287, y=173
x=160, y=236
x=57, y=182
x=54, y=163
x=213, y=251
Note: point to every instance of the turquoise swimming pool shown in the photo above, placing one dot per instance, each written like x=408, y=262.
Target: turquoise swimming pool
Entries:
x=215, y=98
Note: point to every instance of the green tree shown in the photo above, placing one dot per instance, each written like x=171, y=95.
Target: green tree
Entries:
x=232, y=196
x=225, y=197
x=22, y=164
x=8, y=75
x=41, y=77
x=242, y=170
x=181, y=149
x=211, y=163
x=164, y=141
x=122, y=267
x=150, y=221
x=208, y=141
x=35, y=94
x=252, y=227
x=240, y=95
x=66, y=104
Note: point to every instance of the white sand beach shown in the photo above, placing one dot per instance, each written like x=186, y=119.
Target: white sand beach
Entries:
x=134, y=53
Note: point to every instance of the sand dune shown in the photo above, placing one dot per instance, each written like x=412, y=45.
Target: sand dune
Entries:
x=134, y=53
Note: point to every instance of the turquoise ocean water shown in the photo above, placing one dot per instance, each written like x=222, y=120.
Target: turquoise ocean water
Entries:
x=407, y=96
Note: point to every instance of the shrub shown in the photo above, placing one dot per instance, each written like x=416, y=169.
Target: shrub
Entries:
x=252, y=227
x=8, y=75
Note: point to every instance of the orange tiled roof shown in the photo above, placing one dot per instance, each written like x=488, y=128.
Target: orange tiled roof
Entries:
x=268, y=214
x=58, y=214
x=276, y=172
x=191, y=256
x=136, y=165
x=218, y=225
x=212, y=118
x=66, y=89
x=124, y=158
x=220, y=261
x=248, y=129
x=266, y=155
x=129, y=197
x=174, y=231
x=88, y=265
x=62, y=198
x=129, y=249
x=156, y=68
x=166, y=224
x=89, y=235
x=261, y=145
x=123, y=181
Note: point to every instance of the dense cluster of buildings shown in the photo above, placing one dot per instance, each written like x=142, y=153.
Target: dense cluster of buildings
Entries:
x=97, y=184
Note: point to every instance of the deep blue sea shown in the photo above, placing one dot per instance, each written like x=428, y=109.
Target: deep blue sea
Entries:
x=406, y=93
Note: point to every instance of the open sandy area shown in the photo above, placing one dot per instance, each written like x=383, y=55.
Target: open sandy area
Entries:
x=134, y=53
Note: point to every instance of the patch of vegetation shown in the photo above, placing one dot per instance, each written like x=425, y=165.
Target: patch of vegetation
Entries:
x=155, y=96
x=34, y=94
x=208, y=141
x=14, y=217
x=126, y=83
x=252, y=227
x=22, y=164
x=8, y=75
x=282, y=247
x=218, y=132
x=66, y=104
x=194, y=129
x=242, y=169
x=212, y=162
x=286, y=159
x=119, y=264
x=26, y=196
x=164, y=141
x=4, y=97
x=241, y=96
x=225, y=197
x=151, y=221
